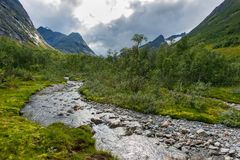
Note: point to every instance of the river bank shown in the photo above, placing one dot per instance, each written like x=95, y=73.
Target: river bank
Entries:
x=131, y=135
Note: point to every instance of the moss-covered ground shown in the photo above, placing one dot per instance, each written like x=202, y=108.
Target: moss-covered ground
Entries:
x=23, y=139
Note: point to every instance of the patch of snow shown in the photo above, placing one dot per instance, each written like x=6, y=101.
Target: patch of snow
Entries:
x=173, y=41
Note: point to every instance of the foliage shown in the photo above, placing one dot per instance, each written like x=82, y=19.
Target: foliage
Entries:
x=173, y=80
x=231, y=118
x=138, y=39
x=23, y=71
x=22, y=139
x=220, y=28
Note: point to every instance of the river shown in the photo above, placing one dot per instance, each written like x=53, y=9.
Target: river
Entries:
x=130, y=135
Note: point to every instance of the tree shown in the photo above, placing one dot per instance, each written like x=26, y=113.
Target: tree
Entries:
x=138, y=39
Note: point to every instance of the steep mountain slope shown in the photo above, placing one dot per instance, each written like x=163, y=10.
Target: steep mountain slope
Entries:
x=15, y=23
x=221, y=28
x=156, y=42
x=72, y=43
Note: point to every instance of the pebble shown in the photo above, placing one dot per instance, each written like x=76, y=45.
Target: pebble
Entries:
x=213, y=147
x=217, y=144
x=224, y=150
x=201, y=132
x=77, y=107
x=96, y=121
x=165, y=124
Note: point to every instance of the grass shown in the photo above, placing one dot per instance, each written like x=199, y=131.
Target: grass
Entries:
x=227, y=94
x=230, y=52
x=162, y=101
x=23, y=139
x=220, y=27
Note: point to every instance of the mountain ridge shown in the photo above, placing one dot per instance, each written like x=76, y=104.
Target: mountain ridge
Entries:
x=72, y=43
x=221, y=27
x=16, y=23
x=157, y=42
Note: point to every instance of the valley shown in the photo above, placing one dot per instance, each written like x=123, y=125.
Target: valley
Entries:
x=130, y=135
x=175, y=98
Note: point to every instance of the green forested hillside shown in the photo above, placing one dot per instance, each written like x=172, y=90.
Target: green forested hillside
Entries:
x=221, y=28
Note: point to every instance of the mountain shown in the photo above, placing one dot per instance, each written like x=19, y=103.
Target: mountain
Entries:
x=221, y=28
x=155, y=43
x=72, y=43
x=15, y=23
x=161, y=40
x=175, y=38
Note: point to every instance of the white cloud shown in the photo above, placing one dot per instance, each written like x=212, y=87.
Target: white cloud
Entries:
x=93, y=12
x=111, y=23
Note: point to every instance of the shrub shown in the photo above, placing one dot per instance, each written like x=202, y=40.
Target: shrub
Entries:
x=231, y=118
x=23, y=74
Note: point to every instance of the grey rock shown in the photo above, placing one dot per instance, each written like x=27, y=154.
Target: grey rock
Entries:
x=168, y=135
x=232, y=152
x=202, y=132
x=178, y=145
x=227, y=158
x=184, y=130
x=213, y=147
x=185, y=149
x=197, y=157
x=115, y=124
x=148, y=133
x=96, y=121
x=217, y=144
x=224, y=150
x=165, y=124
x=70, y=111
x=77, y=107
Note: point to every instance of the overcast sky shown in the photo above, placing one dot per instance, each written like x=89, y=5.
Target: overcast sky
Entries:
x=110, y=24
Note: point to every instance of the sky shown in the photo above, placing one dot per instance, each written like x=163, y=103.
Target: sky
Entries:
x=110, y=24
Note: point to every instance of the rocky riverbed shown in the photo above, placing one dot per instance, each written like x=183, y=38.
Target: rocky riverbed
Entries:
x=130, y=135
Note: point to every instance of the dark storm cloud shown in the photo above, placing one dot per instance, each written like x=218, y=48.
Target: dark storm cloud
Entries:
x=152, y=19
x=57, y=17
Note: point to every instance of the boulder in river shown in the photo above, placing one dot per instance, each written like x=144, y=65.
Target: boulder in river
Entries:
x=77, y=107
x=96, y=121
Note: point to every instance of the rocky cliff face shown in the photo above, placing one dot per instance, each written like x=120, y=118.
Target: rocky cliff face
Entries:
x=72, y=43
x=15, y=23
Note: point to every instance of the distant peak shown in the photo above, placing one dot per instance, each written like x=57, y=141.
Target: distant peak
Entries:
x=160, y=37
x=75, y=34
x=171, y=38
x=72, y=43
x=44, y=28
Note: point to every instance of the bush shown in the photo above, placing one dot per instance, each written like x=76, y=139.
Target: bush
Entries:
x=231, y=118
x=10, y=82
x=1, y=75
x=228, y=42
x=23, y=74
